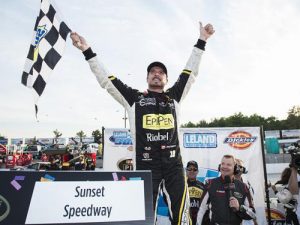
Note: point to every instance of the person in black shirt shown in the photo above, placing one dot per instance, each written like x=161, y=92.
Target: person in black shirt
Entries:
x=196, y=188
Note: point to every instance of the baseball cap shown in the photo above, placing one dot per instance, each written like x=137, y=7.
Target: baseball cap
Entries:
x=158, y=64
x=192, y=163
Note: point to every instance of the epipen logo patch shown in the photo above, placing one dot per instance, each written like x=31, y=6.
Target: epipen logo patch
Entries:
x=195, y=192
x=240, y=140
x=158, y=121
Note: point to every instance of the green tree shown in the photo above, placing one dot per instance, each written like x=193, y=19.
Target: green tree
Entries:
x=81, y=135
x=34, y=140
x=293, y=119
x=294, y=111
x=57, y=134
x=97, y=136
x=239, y=120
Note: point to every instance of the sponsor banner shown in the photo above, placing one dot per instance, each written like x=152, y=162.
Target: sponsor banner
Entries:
x=242, y=142
x=118, y=150
x=206, y=146
x=94, y=201
x=69, y=197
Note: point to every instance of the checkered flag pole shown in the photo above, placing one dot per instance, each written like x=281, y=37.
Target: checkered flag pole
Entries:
x=46, y=49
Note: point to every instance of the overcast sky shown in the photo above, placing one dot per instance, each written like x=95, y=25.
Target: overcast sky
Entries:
x=251, y=64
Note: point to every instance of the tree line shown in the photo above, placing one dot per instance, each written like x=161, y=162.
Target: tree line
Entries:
x=240, y=120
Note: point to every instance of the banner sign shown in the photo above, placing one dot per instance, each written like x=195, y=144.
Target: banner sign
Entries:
x=31, y=197
x=206, y=146
x=118, y=150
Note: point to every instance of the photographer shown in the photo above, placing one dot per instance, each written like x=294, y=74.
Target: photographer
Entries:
x=282, y=191
x=293, y=183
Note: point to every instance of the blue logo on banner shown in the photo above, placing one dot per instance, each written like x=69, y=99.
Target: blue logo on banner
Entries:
x=200, y=140
x=121, y=138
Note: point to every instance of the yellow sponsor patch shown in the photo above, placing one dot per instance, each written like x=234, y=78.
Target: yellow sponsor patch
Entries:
x=35, y=53
x=195, y=192
x=158, y=121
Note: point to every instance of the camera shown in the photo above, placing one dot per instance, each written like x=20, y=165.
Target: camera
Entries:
x=294, y=151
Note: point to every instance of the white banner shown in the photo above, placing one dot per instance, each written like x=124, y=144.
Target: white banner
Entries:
x=118, y=150
x=86, y=201
x=206, y=146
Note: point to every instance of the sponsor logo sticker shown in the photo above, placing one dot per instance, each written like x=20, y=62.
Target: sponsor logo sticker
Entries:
x=147, y=101
x=200, y=140
x=195, y=192
x=125, y=164
x=240, y=140
x=158, y=121
x=121, y=138
x=157, y=137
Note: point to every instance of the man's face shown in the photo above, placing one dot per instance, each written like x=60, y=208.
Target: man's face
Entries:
x=191, y=172
x=157, y=78
x=227, y=166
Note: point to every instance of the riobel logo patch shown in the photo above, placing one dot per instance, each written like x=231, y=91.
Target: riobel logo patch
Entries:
x=158, y=121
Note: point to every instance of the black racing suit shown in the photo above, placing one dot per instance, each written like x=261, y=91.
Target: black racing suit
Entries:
x=196, y=189
x=154, y=125
x=221, y=214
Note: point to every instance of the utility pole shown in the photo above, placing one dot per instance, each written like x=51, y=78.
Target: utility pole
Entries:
x=125, y=117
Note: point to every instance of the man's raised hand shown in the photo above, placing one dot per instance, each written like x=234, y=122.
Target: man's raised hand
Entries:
x=206, y=31
x=79, y=42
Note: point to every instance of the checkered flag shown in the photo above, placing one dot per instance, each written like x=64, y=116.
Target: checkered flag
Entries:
x=46, y=49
